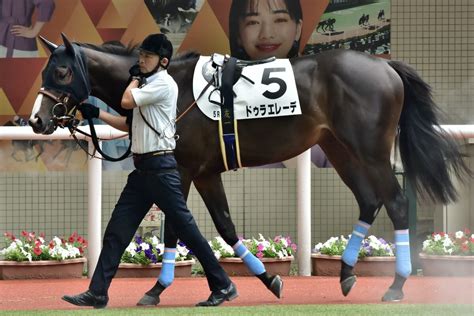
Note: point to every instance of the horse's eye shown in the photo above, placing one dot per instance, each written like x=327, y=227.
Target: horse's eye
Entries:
x=63, y=75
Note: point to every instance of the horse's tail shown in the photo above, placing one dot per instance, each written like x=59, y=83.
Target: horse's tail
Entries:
x=428, y=154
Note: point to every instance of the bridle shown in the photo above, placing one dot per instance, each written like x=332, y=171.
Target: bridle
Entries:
x=68, y=119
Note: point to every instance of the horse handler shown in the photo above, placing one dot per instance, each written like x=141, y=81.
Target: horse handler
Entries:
x=152, y=96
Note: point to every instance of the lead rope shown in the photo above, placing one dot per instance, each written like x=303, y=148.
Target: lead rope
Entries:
x=195, y=101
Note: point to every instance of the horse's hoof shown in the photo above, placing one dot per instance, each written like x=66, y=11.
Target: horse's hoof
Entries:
x=393, y=296
x=348, y=284
x=276, y=286
x=148, y=300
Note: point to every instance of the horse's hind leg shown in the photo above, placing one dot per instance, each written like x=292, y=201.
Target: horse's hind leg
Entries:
x=396, y=204
x=355, y=177
x=211, y=189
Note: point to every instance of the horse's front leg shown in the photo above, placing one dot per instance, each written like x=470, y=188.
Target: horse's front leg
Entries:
x=166, y=277
x=211, y=189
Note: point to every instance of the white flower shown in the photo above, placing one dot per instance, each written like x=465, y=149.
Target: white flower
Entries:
x=459, y=234
x=318, y=247
x=145, y=246
x=155, y=241
x=437, y=237
x=57, y=240
x=131, y=249
x=217, y=254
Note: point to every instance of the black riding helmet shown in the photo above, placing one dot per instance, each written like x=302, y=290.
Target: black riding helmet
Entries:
x=158, y=44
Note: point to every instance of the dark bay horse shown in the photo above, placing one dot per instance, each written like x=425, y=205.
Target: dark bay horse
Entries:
x=353, y=105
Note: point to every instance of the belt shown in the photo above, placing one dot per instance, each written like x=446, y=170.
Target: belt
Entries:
x=141, y=157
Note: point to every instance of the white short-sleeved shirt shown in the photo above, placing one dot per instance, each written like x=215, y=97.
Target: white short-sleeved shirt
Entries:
x=157, y=100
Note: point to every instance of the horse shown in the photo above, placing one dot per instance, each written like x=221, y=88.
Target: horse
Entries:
x=353, y=105
x=325, y=25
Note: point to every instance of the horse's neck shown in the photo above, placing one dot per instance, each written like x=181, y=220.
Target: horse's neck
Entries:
x=108, y=76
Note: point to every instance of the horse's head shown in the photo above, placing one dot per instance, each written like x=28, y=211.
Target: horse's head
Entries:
x=65, y=84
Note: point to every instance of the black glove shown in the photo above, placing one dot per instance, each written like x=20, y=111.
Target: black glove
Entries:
x=135, y=73
x=88, y=110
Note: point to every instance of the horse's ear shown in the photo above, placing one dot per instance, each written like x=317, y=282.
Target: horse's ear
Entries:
x=49, y=45
x=67, y=43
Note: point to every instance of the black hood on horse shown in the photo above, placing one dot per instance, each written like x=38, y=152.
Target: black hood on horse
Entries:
x=66, y=72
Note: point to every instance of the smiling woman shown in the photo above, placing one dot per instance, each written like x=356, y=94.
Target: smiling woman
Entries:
x=263, y=28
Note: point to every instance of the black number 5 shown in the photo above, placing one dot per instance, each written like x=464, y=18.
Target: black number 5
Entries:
x=266, y=79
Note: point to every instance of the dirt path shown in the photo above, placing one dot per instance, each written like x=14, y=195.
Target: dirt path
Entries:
x=46, y=294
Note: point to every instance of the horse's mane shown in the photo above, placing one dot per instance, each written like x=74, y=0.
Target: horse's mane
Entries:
x=117, y=48
x=112, y=47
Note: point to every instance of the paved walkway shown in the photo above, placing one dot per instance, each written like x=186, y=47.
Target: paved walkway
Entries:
x=46, y=294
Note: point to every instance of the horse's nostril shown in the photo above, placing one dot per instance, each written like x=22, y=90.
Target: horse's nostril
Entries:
x=35, y=122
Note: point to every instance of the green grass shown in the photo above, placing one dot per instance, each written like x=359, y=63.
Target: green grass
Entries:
x=343, y=309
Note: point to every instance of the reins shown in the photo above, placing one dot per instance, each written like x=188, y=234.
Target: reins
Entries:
x=195, y=101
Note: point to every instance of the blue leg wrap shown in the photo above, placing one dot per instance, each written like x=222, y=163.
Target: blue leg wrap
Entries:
x=351, y=253
x=254, y=265
x=402, y=250
x=167, y=268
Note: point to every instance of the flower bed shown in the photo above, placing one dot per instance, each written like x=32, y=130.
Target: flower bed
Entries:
x=448, y=254
x=376, y=257
x=143, y=258
x=276, y=254
x=31, y=247
x=30, y=256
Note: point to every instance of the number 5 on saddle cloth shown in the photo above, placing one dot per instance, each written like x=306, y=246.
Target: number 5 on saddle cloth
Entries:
x=243, y=90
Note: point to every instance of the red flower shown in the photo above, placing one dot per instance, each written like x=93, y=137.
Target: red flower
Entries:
x=71, y=239
x=51, y=244
x=42, y=235
x=81, y=251
x=467, y=231
x=37, y=251
x=24, y=233
x=464, y=247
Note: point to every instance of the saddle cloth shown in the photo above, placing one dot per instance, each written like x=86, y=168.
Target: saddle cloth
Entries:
x=272, y=94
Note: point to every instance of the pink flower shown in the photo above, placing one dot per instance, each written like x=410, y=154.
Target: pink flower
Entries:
x=260, y=254
x=37, y=251
x=260, y=247
x=293, y=246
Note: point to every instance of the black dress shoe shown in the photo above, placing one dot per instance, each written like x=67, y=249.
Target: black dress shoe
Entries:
x=87, y=299
x=218, y=297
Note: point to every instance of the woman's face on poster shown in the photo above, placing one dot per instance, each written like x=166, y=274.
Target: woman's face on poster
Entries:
x=267, y=30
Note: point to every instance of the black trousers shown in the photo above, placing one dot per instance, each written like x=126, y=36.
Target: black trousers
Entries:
x=155, y=180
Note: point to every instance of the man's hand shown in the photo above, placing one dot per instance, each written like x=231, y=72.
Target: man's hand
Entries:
x=134, y=71
x=136, y=74
x=88, y=110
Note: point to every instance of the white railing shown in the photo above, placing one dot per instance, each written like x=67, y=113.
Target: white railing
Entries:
x=95, y=186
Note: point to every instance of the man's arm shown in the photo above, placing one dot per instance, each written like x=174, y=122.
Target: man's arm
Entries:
x=116, y=121
x=127, y=98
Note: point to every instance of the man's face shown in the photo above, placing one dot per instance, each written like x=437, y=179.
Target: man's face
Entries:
x=147, y=61
x=268, y=30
